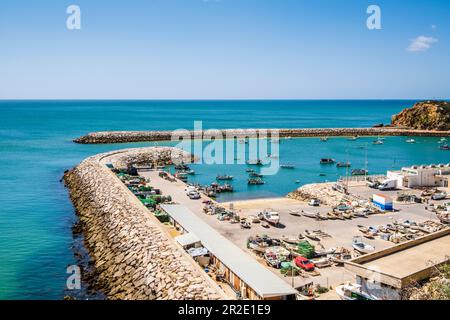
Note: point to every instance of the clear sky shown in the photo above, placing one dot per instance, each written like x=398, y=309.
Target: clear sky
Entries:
x=224, y=49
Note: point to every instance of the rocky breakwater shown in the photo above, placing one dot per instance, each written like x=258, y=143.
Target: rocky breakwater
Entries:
x=134, y=256
x=148, y=136
x=320, y=191
x=426, y=115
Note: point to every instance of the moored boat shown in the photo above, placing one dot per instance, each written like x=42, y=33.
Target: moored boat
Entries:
x=327, y=161
x=359, y=172
x=224, y=177
x=344, y=164
x=255, y=181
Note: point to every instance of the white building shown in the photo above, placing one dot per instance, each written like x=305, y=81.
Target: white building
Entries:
x=422, y=176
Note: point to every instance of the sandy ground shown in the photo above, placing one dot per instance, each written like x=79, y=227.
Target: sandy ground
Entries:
x=341, y=232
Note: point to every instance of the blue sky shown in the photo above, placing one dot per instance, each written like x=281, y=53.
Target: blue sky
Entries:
x=224, y=49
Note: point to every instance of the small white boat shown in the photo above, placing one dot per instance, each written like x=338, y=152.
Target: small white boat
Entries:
x=270, y=216
x=351, y=291
x=378, y=141
x=362, y=247
x=324, y=139
x=410, y=141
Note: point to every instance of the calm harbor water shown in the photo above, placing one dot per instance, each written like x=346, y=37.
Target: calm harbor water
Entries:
x=36, y=147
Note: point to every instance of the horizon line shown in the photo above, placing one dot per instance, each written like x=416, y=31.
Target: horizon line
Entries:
x=223, y=99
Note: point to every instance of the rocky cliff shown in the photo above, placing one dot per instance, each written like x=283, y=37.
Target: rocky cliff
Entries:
x=427, y=115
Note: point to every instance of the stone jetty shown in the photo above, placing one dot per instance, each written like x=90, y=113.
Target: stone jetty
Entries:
x=134, y=256
x=147, y=136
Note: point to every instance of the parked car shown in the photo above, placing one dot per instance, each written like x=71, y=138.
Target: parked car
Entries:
x=314, y=203
x=194, y=195
x=304, y=263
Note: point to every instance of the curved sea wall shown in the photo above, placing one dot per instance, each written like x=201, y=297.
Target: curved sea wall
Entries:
x=146, y=136
x=133, y=254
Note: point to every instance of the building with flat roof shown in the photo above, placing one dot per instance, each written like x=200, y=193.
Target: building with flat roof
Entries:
x=422, y=176
x=242, y=272
x=386, y=273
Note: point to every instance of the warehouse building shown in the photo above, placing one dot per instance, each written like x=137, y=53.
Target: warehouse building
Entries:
x=385, y=274
x=243, y=273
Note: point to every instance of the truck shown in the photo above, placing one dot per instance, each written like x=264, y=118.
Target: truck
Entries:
x=388, y=185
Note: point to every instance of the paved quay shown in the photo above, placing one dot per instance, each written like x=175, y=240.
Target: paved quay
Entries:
x=341, y=232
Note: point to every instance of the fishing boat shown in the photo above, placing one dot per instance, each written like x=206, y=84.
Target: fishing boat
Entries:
x=324, y=139
x=290, y=239
x=445, y=147
x=287, y=166
x=181, y=176
x=276, y=253
x=444, y=218
x=253, y=219
x=354, y=138
x=255, y=175
x=309, y=214
x=379, y=141
x=350, y=291
x=442, y=140
x=295, y=213
x=327, y=161
x=359, y=172
x=332, y=216
x=257, y=162
x=361, y=247
x=347, y=215
x=325, y=252
x=344, y=164
x=272, y=260
x=311, y=235
x=270, y=216
x=224, y=177
x=182, y=167
x=410, y=141
x=255, y=181
x=245, y=224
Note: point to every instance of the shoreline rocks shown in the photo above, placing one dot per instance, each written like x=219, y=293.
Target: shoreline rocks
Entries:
x=149, y=136
x=133, y=255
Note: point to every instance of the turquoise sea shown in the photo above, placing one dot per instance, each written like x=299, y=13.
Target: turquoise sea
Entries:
x=36, y=147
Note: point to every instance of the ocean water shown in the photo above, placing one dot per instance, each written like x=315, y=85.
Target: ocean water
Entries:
x=36, y=147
